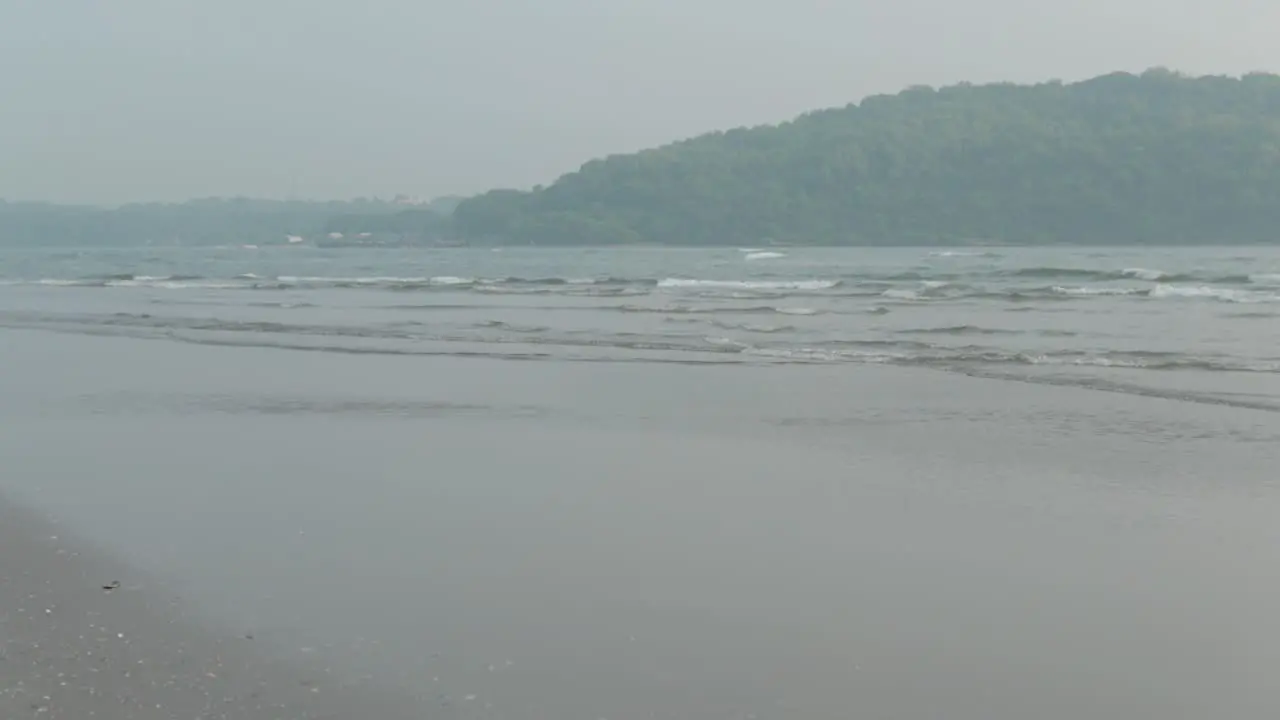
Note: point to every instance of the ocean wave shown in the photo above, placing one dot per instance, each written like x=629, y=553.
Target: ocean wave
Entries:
x=870, y=278
x=964, y=253
x=160, y=327
x=725, y=325
x=164, y=282
x=940, y=357
x=855, y=283
x=511, y=327
x=359, y=281
x=931, y=290
x=568, y=290
x=766, y=343
x=754, y=327
x=255, y=281
x=1069, y=273
x=160, y=283
x=958, y=330
x=718, y=309
x=283, y=305
x=821, y=355
x=906, y=276
x=1088, y=291
x=902, y=294
x=766, y=285
x=1239, y=289
x=764, y=255
x=1060, y=273
x=1222, y=294
x=1132, y=273
x=1144, y=274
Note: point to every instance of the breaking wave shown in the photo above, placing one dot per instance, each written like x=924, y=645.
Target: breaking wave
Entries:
x=749, y=284
x=718, y=309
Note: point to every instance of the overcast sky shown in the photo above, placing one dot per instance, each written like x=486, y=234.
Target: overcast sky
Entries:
x=108, y=101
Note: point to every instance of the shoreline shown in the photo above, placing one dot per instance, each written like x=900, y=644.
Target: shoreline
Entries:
x=73, y=645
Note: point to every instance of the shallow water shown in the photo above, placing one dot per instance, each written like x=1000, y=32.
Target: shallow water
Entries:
x=755, y=537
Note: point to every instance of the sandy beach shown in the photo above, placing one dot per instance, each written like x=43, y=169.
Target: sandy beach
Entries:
x=83, y=635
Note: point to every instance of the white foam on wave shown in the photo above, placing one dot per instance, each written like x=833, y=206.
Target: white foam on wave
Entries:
x=1088, y=291
x=752, y=327
x=376, y=280
x=451, y=280
x=795, y=311
x=749, y=284
x=1201, y=291
x=764, y=255
x=1101, y=361
x=901, y=294
x=1144, y=274
x=164, y=283
x=725, y=342
x=824, y=355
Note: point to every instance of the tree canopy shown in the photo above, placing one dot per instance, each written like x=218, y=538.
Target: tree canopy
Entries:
x=1155, y=158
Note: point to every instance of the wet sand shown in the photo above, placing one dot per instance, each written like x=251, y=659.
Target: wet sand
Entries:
x=557, y=540
x=83, y=635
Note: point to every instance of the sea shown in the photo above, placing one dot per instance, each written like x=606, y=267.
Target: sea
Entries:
x=1125, y=319
x=739, y=483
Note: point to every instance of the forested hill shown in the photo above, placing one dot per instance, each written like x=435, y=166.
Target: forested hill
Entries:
x=1152, y=158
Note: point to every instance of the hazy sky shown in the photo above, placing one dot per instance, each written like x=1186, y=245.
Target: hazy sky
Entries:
x=108, y=101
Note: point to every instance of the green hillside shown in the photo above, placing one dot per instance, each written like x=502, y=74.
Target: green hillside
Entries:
x=1155, y=158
